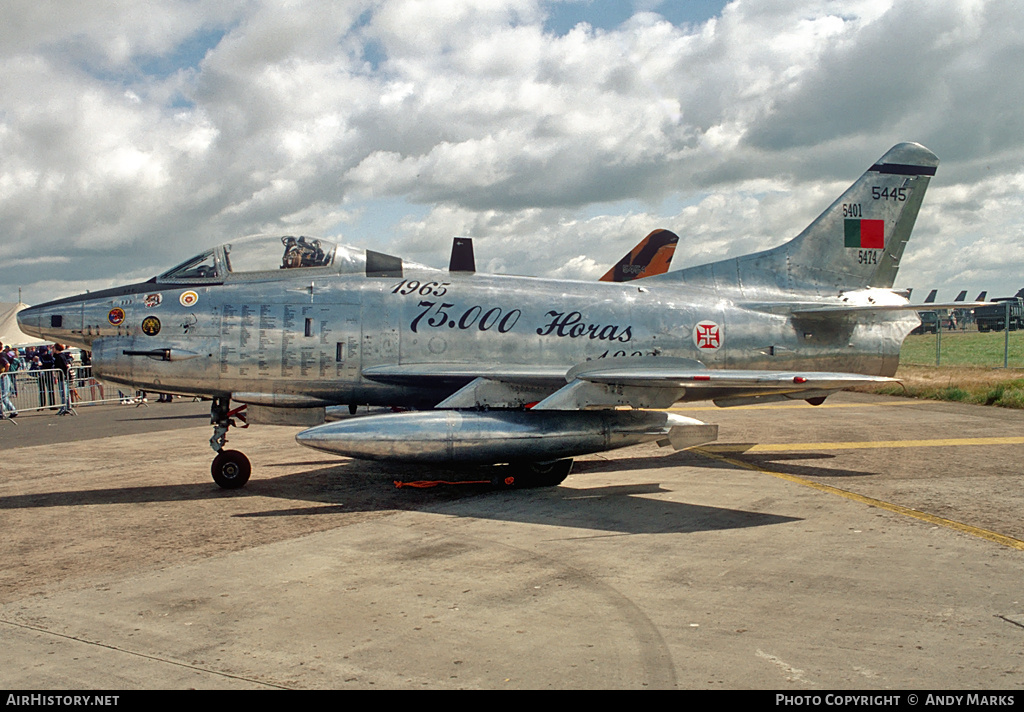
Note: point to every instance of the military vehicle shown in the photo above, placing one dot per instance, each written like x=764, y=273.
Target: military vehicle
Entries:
x=993, y=316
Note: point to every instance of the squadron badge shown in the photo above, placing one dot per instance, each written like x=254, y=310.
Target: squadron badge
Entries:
x=150, y=326
x=116, y=316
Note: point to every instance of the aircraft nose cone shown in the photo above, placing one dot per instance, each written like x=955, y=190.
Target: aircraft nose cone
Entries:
x=30, y=321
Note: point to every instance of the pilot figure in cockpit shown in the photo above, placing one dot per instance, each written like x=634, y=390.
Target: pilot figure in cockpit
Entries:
x=299, y=253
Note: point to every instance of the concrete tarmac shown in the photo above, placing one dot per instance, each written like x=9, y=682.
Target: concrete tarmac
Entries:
x=870, y=543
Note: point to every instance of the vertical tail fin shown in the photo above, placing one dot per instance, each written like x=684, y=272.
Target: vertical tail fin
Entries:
x=857, y=242
x=931, y=296
x=462, y=259
x=651, y=256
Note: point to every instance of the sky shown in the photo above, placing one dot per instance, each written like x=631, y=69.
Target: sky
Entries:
x=556, y=133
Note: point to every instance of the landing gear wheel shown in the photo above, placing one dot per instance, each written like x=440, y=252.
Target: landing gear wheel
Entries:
x=522, y=475
x=231, y=469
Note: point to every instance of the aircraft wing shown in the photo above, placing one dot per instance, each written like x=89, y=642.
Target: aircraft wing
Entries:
x=686, y=375
x=839, y=309
x=654, y=382
x=648, y=382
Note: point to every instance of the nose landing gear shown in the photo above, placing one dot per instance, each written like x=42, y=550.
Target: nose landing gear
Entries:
x=230, y=469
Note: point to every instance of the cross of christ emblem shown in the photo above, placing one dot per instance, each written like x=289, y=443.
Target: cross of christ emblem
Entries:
x=708, y=336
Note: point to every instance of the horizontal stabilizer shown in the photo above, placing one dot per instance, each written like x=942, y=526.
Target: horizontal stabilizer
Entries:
x=855, y=302
x=840, y=309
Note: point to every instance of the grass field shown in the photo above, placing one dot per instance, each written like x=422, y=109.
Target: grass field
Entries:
x=970, y=369
x=969, y=348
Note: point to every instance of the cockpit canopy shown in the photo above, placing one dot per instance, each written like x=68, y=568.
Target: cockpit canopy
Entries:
x=262, y=255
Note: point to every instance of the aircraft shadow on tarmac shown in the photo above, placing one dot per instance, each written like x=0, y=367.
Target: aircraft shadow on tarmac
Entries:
x=129, y=417
x=781, y=462
x=348, y=487
x=622, y=509
x=775, y=462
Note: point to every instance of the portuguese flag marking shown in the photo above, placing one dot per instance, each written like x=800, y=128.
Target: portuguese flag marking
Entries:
x=866, y=234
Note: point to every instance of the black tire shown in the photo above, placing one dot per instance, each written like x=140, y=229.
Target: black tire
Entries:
x=231, y=469
x=523, y=475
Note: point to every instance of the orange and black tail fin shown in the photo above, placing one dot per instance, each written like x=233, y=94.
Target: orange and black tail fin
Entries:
x=651, y=256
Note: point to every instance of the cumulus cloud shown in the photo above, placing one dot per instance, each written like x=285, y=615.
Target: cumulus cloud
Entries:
x=135, y=134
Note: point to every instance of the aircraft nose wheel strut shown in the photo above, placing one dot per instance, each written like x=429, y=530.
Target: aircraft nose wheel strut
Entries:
x=231, y=468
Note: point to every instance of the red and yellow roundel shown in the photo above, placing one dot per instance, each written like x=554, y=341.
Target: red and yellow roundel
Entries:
x=188, y=298
x=116, y=316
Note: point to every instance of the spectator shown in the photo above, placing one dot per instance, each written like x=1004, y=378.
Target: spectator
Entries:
x=63, y=360
x=7, y=409
x=33, y=369
x=46, y=379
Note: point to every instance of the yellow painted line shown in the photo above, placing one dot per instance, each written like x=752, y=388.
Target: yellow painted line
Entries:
x=871, y=501
x=801, y=404
x=860, y=445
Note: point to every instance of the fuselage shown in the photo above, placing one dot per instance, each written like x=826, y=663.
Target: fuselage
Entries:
x=505, y=368
x=308, y=336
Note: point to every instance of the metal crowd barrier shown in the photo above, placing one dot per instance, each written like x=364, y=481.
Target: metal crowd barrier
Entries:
x=48, y=388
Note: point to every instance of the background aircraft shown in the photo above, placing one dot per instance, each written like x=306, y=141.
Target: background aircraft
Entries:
x=652, y=256
x=505, y=369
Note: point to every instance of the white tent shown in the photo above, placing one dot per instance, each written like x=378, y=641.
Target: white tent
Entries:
x=10, y=334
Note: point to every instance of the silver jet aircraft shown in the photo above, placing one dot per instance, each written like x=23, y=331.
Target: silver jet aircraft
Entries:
x=500, y=369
